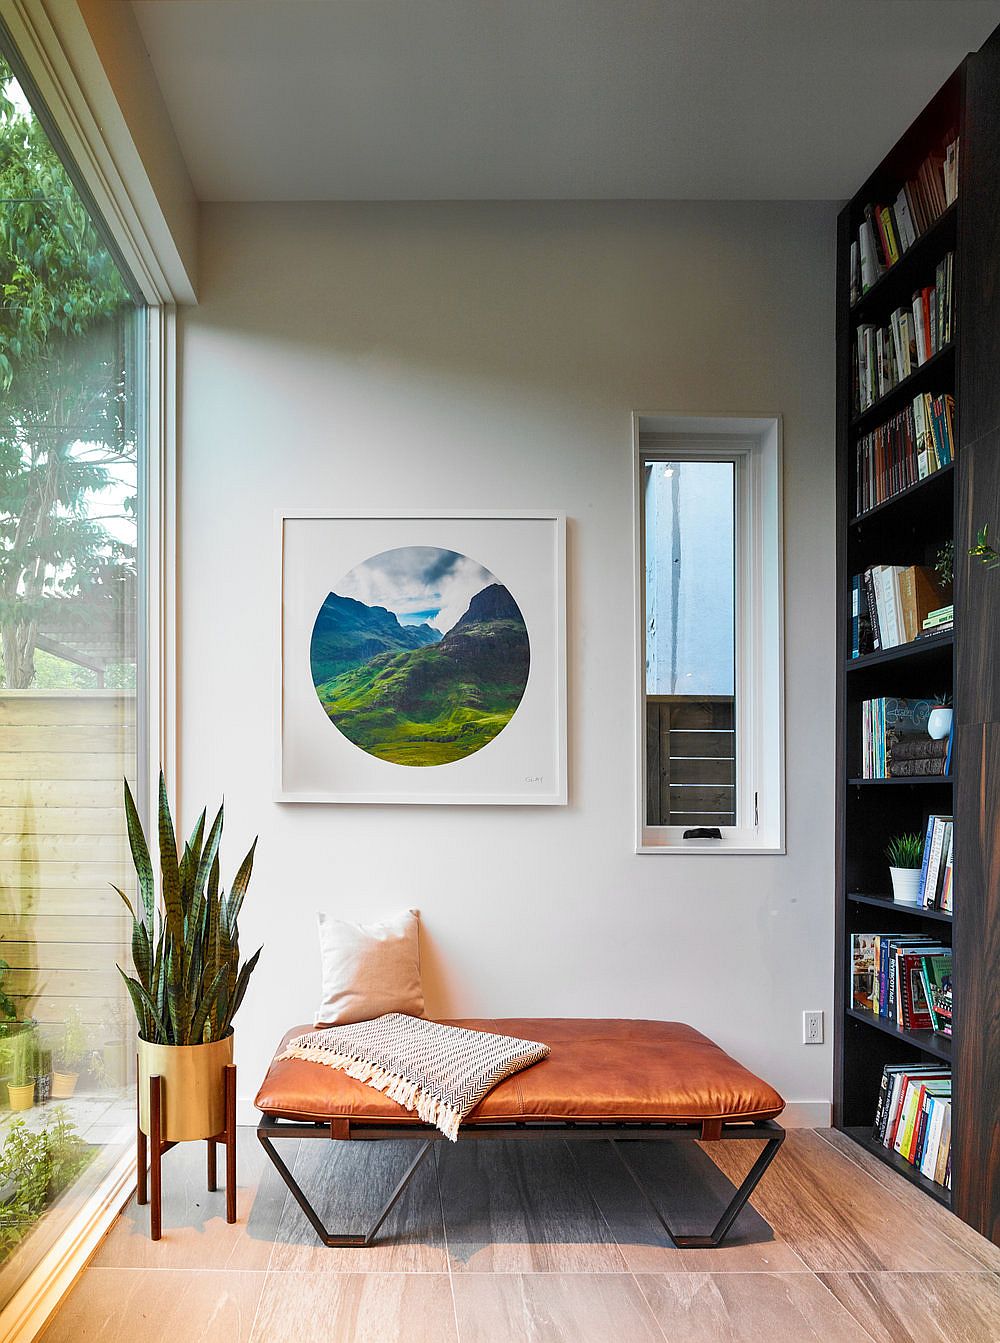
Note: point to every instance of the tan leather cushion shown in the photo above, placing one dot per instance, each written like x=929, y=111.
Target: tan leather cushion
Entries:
x=620, y=1070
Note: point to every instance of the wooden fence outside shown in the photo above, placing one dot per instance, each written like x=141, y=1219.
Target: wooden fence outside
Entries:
x=63, y=755
x=690, y=760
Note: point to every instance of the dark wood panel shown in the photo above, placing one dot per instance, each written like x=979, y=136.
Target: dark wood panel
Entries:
x=976, y=1118
x=717, y=745
x=701, y=798
x=685, y=769
x=977, y=588
x=979, y=247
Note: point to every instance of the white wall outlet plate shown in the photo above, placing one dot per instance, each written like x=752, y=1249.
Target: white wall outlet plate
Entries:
x=812, y=1028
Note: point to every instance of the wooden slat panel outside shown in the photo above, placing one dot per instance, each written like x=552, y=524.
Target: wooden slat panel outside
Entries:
x=701, y=715
x=690, y=819
x=33, y=820
x=64, y=765
x=75, y=927
x=67, y=983
x=695, y=798
x=95, y=738
x=718, y=745
x=38, y=794
x=64, y=848
x=41, y=875
x=694, y=769
x=45, y=956
x=38, y=709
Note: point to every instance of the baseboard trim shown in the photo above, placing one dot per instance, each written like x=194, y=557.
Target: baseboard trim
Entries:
x=40, y=1295
x=806, y=1114
x=796, y=1114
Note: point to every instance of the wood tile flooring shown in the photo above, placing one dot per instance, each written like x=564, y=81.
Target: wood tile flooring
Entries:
x=541, y=1243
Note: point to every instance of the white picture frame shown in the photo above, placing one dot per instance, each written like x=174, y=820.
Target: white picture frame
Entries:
x=525, y=764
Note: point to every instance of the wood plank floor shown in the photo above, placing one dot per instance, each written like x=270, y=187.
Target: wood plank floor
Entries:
x=541, y=1243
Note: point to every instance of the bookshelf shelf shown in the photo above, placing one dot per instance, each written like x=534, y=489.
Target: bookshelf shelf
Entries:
x=939, y=1046
x=907, y=530
x=887, y=905
x=898, y=282
x=922, y=379
x=937, y=480
x=930, y=643
x=863, y=1137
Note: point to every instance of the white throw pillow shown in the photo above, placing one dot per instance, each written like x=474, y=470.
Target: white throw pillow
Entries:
x=369, y=969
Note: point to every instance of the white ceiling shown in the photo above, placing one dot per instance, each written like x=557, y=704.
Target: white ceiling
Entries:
x=547, y=99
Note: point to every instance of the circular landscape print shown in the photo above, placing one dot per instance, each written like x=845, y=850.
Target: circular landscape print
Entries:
x=419, y=656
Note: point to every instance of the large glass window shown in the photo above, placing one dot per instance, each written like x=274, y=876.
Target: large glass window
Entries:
x=71, y=354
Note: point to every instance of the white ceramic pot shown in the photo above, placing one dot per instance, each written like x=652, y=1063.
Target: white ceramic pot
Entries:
x=905, y=884
x=939, y=723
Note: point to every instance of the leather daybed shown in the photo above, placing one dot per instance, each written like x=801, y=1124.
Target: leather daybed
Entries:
x=604, y=1080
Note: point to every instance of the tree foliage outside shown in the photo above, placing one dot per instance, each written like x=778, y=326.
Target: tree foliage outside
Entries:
x=67, y=447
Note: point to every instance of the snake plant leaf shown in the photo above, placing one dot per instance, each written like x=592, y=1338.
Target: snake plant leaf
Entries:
x=140, y=856
x=142, y=954
x=169, y=874
x=128, y=902
x=198, y=1024
x=144, y=1009
x=244, y=979
x=210, y=852
x=242, y=879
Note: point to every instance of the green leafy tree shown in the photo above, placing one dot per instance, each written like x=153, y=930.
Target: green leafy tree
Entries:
x=65, y=437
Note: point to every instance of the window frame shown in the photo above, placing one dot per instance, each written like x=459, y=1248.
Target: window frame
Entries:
x=754, y=446
x=105, y=167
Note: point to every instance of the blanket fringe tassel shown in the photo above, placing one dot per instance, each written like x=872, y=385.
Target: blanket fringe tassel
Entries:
x=409, y=1094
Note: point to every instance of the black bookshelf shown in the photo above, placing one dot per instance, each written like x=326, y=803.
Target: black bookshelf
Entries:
x=909, y=528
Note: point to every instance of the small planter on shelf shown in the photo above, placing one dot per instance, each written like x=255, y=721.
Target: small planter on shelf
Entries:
x=906, y=855
x=939, y=719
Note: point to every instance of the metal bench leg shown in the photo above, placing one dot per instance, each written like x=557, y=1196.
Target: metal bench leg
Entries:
x=733, y=1208
x=338, y=1240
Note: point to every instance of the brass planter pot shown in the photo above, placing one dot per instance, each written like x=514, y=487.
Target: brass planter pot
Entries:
x=193, y=1093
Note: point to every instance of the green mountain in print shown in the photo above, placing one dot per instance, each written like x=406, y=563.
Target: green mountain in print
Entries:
x=348, y=632
x=426, y=705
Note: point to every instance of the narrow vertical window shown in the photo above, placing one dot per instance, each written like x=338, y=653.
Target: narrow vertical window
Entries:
x=708, y=598
x=690, y=633
x=72, y=354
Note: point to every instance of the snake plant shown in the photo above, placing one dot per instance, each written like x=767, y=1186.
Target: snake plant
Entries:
x=188, y=982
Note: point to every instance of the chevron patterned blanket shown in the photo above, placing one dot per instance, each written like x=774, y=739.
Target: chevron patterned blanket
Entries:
x=439, y=1072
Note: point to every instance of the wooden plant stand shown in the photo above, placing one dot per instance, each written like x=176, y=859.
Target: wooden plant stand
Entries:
x=156, y=1148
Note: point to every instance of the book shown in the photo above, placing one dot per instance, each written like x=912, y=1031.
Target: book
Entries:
x=863, y=983
x=882, y=721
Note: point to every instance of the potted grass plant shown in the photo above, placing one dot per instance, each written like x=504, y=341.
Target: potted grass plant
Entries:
x=906, y=855
x=20, y=1050
x=188, y=982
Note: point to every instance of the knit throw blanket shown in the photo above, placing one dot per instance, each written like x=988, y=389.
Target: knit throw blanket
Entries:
x=441, y=1072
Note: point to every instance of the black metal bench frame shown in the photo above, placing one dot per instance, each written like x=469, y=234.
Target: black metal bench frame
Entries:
x=617, y=1134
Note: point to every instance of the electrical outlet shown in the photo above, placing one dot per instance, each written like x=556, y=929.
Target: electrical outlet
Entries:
x=812, y=1028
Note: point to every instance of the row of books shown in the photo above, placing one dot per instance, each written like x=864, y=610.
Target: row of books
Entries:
x=894, y=740
x=913, y=1117
x=887, y=231
x=935, y=890
x=904, y=978
x=890, y=605
x=909, y=447
x=884, y=356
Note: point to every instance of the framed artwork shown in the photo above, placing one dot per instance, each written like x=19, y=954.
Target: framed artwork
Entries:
x=422, y=659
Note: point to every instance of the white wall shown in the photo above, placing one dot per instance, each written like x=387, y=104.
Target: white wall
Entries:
x=462, y=356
